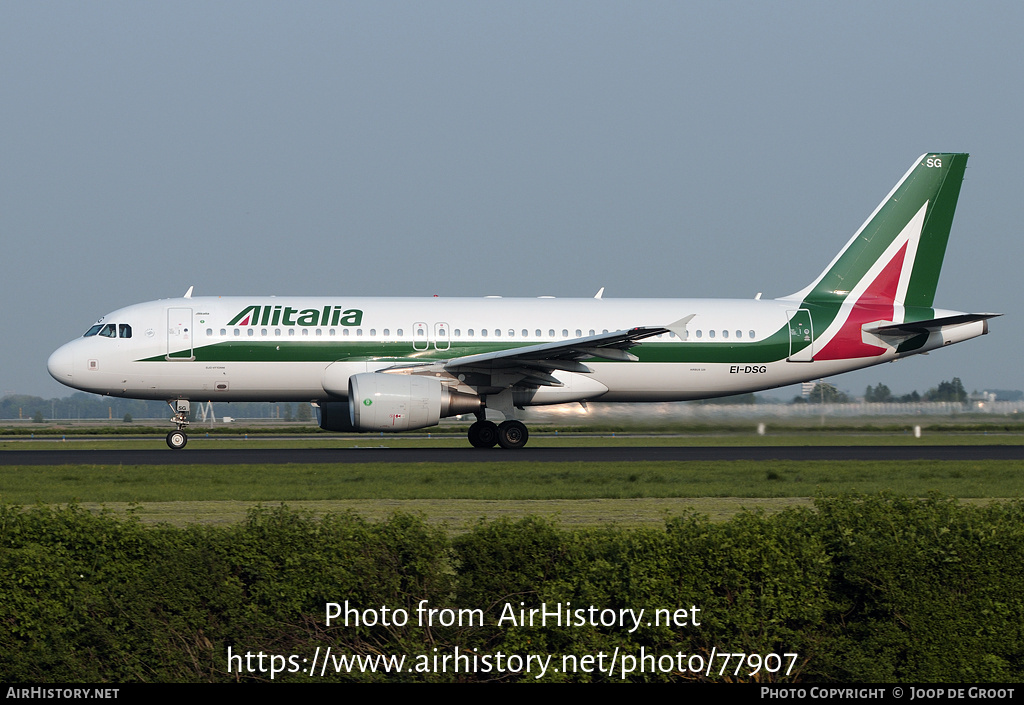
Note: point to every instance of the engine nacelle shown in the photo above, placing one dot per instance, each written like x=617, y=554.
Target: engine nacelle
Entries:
x=387, y=402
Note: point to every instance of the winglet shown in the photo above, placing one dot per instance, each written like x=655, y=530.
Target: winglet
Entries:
x=188, y=294
x=679, y=327
x=600, y=293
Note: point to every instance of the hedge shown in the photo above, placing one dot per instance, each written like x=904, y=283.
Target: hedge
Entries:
x=862, y=588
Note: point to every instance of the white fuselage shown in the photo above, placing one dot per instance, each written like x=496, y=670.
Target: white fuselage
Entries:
x=303, y=349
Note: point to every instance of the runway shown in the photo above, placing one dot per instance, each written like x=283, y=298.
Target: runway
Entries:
x=244, y=456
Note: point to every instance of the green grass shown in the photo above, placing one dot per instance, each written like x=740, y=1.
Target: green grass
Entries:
x=577, y=493
x=505, y=481
x=614, y=489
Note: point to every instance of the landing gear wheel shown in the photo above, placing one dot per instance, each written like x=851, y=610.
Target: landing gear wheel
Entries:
x=513, y=434
x=176, y=440
x=483, y=434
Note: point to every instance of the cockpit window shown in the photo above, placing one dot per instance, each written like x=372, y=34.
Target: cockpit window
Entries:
x=110, y=330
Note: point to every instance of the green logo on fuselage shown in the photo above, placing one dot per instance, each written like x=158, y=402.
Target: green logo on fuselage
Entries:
x=288, y=316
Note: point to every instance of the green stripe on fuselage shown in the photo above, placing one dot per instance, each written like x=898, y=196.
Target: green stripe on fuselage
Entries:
x=772, y=349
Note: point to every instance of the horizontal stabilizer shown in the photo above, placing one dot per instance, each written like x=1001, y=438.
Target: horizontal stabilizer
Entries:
x=912, y=328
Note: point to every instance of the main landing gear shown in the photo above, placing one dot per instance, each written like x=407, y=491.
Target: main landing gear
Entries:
x=487, y=434
x=176, y=440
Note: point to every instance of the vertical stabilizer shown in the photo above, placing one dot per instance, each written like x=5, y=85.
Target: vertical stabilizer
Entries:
x=895, y=256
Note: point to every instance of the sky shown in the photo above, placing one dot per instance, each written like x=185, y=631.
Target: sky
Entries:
x=697, y=149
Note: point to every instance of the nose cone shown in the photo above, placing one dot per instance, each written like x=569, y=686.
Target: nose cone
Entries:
x=61, y=365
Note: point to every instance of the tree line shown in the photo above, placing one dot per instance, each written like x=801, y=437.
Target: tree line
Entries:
x=946, y=391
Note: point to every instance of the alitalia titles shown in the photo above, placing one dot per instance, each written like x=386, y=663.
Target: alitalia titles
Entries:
x=288, y=316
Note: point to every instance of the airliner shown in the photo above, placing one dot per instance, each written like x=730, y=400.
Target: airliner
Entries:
x=399, y=364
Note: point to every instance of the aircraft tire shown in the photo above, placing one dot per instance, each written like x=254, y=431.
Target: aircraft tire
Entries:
x=513, y=434
x=176, y=440
x=483, y=434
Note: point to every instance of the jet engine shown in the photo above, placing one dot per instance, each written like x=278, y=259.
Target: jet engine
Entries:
x=392, y=403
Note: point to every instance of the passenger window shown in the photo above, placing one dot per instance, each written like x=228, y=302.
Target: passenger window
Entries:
x=751, y=335
x=711, y=333
x=209, y=332
x=591, y=331
x=725, y=334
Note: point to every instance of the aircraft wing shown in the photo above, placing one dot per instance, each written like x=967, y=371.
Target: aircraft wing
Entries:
x=610, y=346
x=533, y=364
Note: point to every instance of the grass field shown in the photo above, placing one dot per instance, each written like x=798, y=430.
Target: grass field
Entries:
x=631, y=494
x=626, y=493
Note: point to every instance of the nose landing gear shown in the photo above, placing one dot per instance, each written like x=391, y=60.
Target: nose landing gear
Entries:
x=176, y=440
